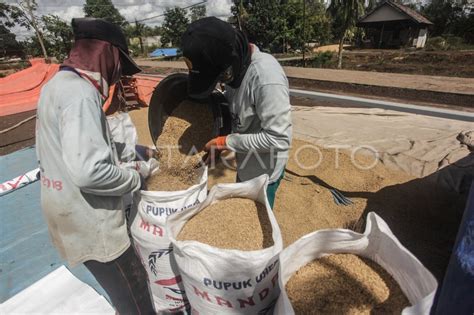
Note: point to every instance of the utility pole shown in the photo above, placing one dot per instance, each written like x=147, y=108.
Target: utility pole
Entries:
x=285, y=28
x=29, y=15
x=304, y=37
x=239, y=8
x=139, y=34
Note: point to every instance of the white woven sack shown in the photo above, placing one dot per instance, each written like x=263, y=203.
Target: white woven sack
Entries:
x=224, y=281
x=378, y=244
x=149, y=212
x=124, y=134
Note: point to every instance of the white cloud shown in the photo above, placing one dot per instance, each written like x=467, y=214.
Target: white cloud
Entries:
x=69, y=13
x=218, y=8
x=139, y=12
x=130, y=9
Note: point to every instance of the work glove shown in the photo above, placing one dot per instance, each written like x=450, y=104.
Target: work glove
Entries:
x=213, y=149
x=145, y=169
x=148, y=168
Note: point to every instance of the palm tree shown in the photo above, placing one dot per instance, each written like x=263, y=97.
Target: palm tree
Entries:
x=345, y=14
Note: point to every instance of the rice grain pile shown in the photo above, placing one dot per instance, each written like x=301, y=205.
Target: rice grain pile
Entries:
x=184, y=135
x=344, y=284
x=234, y=223
x=304, y=204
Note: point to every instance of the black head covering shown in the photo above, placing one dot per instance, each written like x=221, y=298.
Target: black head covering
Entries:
x=103, y=30
x=242, y=58
x=210, y=46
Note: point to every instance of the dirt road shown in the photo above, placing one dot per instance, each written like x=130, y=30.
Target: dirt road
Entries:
x=20, y=137
x=427, y=90
x=393, y=80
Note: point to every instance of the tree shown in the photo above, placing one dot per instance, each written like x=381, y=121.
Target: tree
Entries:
x=451, y=17
x=155, y=31
x=23, y=14
x=320, y=26
x=138, y=31
x=104, y=9
x=58, y=34
x=317, y=26
x=263, y=21
x=197, y=12
x=345, y=14
x=174, y=26
x=57, y=38
x=371, y=4
x=277, y=25
x=9, y=46
x=239, y=14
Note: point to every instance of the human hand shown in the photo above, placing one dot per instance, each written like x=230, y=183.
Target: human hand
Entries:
x=145, y=153
x=218, y=144
x=213, y=149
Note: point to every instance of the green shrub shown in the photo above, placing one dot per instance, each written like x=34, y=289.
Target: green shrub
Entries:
x=322, y=59
x=455, y=42
x=436, y=43
x=446, y=42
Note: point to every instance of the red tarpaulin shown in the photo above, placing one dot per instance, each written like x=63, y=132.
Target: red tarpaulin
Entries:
x=19, y=92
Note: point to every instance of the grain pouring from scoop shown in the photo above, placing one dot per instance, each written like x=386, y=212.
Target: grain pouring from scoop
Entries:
x=184, y=134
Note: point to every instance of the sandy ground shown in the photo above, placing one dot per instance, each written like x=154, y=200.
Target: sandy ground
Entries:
x=394, y=80
x=397, y=80
x=452, y=63
x=447, y=92
x=416, y=144
x=333, y=48
x=422, y=215
x=18, y=138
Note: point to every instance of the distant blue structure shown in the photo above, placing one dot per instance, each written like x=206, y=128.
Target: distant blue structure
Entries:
x=165, y=52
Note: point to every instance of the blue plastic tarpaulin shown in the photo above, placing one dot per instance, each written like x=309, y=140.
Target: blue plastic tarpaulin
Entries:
x=26, y=252
x=165, y=52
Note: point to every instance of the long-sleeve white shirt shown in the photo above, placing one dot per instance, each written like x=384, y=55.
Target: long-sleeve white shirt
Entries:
x=261, y=116
x=81, y=183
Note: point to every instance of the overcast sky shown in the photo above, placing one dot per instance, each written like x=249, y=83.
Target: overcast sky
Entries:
x=130, y=9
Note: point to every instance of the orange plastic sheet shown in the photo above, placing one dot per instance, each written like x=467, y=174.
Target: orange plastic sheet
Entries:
x=19, y=92
x=108, y=102
x=145, y=86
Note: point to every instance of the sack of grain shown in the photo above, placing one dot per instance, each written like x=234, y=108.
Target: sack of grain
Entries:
x=124, y=135
x=377, y=243
x=149, y=212
x=228, y=281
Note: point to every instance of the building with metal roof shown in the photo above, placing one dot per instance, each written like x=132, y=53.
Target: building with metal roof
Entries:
x=393, y=25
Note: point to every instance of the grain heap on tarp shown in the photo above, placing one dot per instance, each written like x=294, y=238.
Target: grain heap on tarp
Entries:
x=185, y=132
x=344, y=284
x=234, y=223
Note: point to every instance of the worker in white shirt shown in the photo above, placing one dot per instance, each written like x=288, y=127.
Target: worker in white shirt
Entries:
x=82, y=184
x=257, y=92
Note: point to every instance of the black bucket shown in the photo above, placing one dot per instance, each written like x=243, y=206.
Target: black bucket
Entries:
x=171, y=91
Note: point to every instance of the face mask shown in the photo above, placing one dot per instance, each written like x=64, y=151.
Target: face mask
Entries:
x=117, y=73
